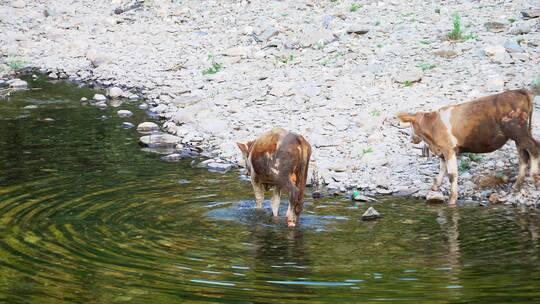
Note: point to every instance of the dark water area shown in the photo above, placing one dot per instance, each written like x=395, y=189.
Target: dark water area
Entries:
x=87, y=217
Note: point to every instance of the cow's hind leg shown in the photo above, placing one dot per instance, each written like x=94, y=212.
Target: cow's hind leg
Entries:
x=440, y=176
x=529, y=149
x=523, y=160
x=534, y=157
x=276, y=199
x=258, y=189
x=514, y=126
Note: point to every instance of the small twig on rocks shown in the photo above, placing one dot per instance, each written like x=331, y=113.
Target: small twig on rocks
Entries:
x=176, y=67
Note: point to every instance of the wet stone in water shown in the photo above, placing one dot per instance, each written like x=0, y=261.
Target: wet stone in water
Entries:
x=435, y=197
x=124, y=113
x=370, y=214
x=147, y=126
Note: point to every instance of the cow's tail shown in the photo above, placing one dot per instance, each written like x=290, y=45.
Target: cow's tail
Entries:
x=530, y=103
x=530, y=98
x=302, y=173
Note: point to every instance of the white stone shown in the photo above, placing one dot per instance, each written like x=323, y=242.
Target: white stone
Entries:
x=370, y=214
x=238, y=52
x=18, y=4
x=409, y=76
x=99, y=97
x=17, y=84
x=147, y=126
x=160, y=140
x=114, y=92
x=97, y=58
x=124, y=113
x=435, y=197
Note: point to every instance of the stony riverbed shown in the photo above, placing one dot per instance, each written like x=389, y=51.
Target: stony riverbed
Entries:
x=334, y=71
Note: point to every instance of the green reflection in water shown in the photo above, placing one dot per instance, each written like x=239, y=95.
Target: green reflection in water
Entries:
x=86, y=216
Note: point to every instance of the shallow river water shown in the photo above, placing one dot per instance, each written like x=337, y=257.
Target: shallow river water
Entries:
x=87, y=217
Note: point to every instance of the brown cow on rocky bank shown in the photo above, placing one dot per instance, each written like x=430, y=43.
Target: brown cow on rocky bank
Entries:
x=479, y=126
x=279, y=160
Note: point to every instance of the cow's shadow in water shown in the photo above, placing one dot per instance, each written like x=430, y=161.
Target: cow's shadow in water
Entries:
x=245, y=213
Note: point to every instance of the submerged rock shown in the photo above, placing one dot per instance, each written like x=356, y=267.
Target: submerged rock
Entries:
x=174, y=157
x=127, y=125
x=215, y=165
x=370, y=214
x=124, y=113
x=362, y=198
x=160, y=140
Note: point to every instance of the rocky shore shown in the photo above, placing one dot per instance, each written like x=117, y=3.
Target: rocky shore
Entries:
x=217, y=72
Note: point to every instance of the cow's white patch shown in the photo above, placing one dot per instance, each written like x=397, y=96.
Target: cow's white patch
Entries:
x=445, y=118
x=275, y=167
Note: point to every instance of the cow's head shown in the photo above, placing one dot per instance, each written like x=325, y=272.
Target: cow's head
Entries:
x=245, y=148
x=414, y=120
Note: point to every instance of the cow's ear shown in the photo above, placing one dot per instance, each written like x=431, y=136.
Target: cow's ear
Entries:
x=406, y=117
x=243, y=147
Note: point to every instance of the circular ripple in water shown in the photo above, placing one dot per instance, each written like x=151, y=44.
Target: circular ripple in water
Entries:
x=85, y=216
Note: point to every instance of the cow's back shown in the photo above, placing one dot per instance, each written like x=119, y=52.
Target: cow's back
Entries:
x=476, y=124
x=276, y=155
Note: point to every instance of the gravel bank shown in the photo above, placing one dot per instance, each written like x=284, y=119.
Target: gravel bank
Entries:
x=334, y=71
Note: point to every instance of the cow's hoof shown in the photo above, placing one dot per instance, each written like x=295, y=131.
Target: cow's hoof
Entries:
x=434, y=188
x=516, y=187
x=291, y=224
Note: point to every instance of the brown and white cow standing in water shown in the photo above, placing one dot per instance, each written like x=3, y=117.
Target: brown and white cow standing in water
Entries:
x=279, y=160
x=479, y=126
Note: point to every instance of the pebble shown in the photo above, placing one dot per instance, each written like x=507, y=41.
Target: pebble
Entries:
x=495, y=26
x=531, y=13
x=268, y=33
x=18, y=4
x=520, y=29
x=99, y=97
x=114, y=92
x=512, y=46
x=17, y=84
x=370, y=214
x=359, y=30
x=124, y=113
x=97, y=58
x=174, y=157
x=435, y=197
x=147, y=126
x=127, y=125
x=409, y=76
x=160, y=140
